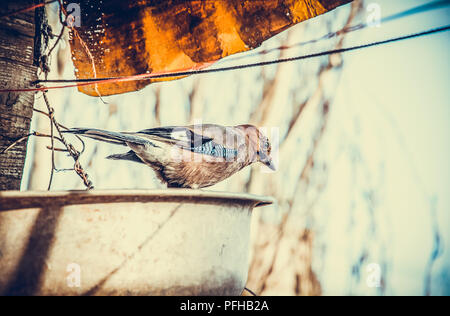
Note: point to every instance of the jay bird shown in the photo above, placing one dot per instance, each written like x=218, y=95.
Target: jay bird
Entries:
x=195, y=156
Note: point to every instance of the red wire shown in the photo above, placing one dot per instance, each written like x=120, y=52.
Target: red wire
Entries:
x=108, y=80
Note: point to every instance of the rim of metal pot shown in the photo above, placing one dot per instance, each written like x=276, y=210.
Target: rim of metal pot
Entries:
x=11, y=200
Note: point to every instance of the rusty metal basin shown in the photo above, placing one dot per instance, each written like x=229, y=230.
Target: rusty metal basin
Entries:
x=164, y=242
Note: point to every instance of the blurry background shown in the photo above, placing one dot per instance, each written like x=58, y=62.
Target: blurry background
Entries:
x=362, y=143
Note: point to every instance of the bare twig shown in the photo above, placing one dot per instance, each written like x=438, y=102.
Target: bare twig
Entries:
x=57, y=40
x=70, y=148
x=50, y=112
x=65, y=128
x=250, y=291
x=57, y=149
x=37, y=134
x=64, y=170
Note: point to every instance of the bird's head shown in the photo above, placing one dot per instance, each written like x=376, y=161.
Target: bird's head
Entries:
x=258, y=145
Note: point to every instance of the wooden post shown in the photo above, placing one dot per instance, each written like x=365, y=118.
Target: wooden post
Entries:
x=17, y=70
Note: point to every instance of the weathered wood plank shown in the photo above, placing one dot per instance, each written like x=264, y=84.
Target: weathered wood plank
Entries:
x=16, y=71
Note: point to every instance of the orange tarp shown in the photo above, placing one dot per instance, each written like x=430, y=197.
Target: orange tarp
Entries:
x=125, y=37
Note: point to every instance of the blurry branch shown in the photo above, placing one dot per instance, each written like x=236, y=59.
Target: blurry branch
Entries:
x=437, y=248
x=192, y=102
x=279, y=236
x=260, y=113
x=52, y=123
x=58, y=39
x=304, y=175
x=263, y=269
x=197, y=106
x=158, y=106
x=297, y=113
x=303, y=268
x=248, y=182
x=301, y=280
x=333, y=62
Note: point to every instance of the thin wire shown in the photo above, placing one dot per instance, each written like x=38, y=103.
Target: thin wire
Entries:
x=251, y=65
x=182, y=73
x=250, y=291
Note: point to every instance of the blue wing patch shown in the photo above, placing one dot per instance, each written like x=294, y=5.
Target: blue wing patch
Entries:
x=215, y=150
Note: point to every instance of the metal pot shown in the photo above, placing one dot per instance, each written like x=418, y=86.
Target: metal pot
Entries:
x=170, y=242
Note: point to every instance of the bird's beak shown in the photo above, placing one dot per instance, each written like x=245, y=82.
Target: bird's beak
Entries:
x=269, y=163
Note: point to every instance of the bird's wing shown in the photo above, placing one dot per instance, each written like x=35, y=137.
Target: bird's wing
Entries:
x=208, y=139
x=107, y=136
x=226, y=136
x=182, y=136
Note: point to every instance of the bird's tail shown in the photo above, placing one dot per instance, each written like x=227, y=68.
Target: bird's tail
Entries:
x=107, y=136
x=131, y=156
